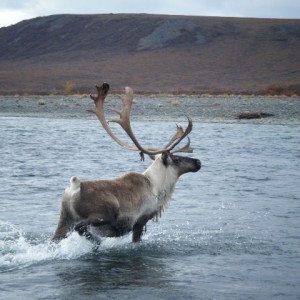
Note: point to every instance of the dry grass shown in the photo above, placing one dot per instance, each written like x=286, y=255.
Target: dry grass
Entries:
x=279, y=90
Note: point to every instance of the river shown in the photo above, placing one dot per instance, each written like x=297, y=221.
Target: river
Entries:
x=231, y=231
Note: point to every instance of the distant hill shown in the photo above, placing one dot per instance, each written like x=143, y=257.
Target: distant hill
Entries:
x=150, y=53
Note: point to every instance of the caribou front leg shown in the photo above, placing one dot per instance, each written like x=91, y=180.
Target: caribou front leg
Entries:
x=137, y=233
x=138, y=229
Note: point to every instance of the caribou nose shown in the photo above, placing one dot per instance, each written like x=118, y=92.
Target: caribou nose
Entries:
x=198, y=164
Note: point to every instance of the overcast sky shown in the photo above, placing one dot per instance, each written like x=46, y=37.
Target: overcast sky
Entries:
x=13, y=11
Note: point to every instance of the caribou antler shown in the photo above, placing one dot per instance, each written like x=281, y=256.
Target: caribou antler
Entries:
x=124, y=122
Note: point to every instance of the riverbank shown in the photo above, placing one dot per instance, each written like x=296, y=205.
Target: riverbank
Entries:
x=270, y=110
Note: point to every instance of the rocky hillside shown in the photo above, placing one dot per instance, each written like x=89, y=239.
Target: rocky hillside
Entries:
x=151, y=53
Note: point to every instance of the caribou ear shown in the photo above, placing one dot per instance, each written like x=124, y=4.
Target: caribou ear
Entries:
x=165, y=158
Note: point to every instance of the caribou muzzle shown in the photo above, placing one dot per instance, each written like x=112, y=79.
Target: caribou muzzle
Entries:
x=197, y=165
x=187, y=164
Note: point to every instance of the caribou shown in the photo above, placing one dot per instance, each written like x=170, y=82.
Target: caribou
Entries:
x=125, y=204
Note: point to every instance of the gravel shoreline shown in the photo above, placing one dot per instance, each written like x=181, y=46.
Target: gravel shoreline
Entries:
x=226, y=109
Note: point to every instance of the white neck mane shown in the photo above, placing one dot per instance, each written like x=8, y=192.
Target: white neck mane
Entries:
x=163, y=180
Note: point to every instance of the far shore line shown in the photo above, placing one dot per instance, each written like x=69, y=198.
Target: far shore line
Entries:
x=158, y=94
x=221, y=109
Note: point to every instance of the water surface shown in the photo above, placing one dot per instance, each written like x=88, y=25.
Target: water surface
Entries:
x=231, y=231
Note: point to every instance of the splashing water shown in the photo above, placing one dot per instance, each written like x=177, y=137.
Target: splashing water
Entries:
x=19, y=250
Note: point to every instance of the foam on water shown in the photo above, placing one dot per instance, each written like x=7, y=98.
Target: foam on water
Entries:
x=19, y=250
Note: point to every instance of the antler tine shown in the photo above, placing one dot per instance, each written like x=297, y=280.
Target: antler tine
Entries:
x=99, y=112
x=186, y=148
x=124, y=120
x=124, y=113
x=176, y=136
x=102, y=92
x=182, y=135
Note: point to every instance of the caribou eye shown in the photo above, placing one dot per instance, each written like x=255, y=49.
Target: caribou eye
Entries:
x=176, y=160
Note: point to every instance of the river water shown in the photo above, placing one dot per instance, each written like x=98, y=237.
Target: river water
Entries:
x=231, y=231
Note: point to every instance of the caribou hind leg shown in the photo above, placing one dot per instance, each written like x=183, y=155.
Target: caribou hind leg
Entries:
x=94, y=220
x=97, y=221
x=84, y=231
x=66, y=220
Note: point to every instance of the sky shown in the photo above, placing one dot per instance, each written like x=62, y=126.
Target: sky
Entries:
x=14, y=11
